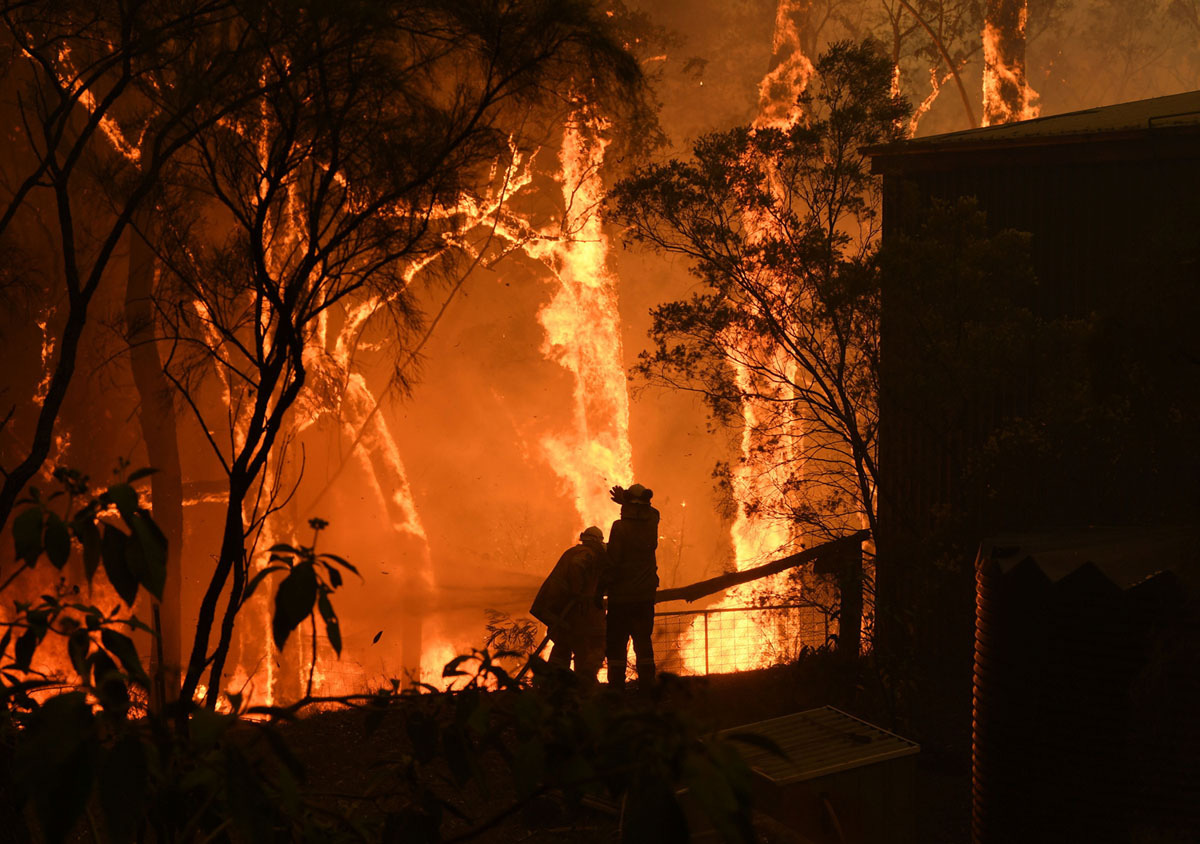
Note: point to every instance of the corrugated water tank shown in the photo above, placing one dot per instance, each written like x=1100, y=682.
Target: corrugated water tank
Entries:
x=1087, y=688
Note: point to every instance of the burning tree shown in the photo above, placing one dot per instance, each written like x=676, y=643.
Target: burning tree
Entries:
x=931, y=42
x=332, y=188
x=1006, y=92
x=780, y=225
x=103, y=97
x=285, y=167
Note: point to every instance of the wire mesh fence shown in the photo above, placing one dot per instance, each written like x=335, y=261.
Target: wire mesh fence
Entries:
x=720, y=641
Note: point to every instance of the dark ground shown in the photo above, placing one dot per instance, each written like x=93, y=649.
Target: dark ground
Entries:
x=342, y=760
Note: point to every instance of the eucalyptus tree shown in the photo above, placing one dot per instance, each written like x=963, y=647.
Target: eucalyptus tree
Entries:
x=100, y=98
x=780, y=226
x=377, y=121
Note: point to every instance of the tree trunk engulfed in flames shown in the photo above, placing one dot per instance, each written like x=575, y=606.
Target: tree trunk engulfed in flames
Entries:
x=581, y=327
x=1007, y=96
x=748, y=640
x=790, y=69
x=583, y=330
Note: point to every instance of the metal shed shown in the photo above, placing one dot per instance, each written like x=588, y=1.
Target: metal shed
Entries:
x=1109, y=201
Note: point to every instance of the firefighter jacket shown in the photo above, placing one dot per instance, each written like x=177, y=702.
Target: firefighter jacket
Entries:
x=632, y=573
x=569, y=599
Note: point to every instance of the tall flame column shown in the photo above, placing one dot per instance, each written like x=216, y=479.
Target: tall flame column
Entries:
x=1007, y=96
x=582, y=326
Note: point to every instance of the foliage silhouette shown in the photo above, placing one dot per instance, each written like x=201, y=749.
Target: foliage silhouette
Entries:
x=74, y=745
x=780, y=224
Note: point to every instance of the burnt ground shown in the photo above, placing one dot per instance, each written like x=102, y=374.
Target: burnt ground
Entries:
x=344, y=763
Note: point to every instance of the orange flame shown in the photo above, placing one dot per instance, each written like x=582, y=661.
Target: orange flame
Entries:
x=780, y=89
x=922, y=108
x=48, y=342
x=745, y=642
x=583, y=329
x=1007, y=95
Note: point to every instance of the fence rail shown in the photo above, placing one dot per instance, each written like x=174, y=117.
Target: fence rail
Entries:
x=720, y=641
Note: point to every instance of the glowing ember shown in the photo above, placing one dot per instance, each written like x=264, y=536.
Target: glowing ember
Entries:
x=43, y=387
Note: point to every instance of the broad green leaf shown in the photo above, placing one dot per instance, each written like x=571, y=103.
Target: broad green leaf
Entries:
x=708, y=783
x=135, y=623
x=135, y=559
x=293, y=601
x=760, y=741
x=114, y=553
x=109, y=685
x=652, y=809
x=138, y=474
x=89, y=537
x=332, y=630
x=58, y=541
x=39, y=620
x=27, y=643
x=56, y=761
x=153, y=546
x=78, y=645
x=207, y=726
x=27, y=535
x=121, y=646
x=340, y=561
x=279, y=747
x=126, y=499
x=257, y=579
x=335, y=576
x=451, y=667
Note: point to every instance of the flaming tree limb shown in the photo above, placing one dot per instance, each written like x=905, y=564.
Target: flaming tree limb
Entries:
x=941, y=48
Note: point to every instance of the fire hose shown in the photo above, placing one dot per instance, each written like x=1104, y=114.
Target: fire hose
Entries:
x=694, y=591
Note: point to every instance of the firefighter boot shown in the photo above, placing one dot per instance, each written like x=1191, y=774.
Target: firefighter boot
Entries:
x=616, y=674
x=645, y=672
